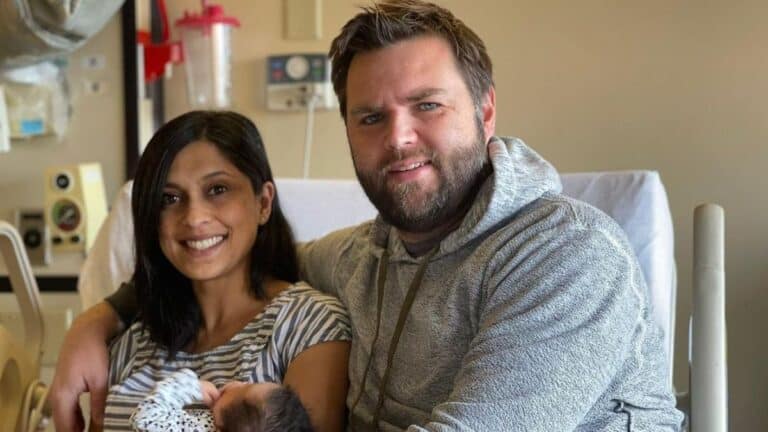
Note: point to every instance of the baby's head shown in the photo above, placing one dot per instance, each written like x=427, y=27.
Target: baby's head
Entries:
x=280, y=411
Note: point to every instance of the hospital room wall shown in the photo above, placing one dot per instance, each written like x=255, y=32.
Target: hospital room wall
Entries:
x=95, y=132
x=678, y=87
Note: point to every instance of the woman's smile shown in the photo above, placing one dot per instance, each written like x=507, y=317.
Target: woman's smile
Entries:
x=206, y=243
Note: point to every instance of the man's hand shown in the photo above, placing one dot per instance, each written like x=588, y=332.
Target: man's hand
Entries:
x=82, y=367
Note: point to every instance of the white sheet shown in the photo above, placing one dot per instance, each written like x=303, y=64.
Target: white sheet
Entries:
x=638, y=201
x=635, y=199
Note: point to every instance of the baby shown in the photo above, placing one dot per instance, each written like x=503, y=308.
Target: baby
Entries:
x=163, y=409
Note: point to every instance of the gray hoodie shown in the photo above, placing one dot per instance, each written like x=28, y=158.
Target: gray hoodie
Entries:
x=533, y=315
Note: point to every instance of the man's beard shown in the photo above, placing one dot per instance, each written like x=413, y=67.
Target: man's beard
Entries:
x=459, y=175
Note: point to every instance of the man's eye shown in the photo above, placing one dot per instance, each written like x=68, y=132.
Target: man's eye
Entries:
x=428, y=106
x=370, y=119
x=217, y=190
x=169, y=199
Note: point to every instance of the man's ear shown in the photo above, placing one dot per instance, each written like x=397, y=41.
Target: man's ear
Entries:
x=489, y=113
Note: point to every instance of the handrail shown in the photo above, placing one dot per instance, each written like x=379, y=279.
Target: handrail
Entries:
x=24, y=287
x=709, y=381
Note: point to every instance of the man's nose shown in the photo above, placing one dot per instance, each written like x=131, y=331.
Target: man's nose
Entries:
x=401, y=131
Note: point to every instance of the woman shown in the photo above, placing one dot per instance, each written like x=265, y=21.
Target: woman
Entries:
x=216, y=278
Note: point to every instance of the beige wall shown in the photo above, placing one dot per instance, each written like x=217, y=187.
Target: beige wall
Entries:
x=679, y=87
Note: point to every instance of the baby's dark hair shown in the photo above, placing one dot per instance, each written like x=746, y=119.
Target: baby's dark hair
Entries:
x=282, y=411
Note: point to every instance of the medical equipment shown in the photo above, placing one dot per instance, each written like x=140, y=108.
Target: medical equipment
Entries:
x=298, y=82
x=37, y=100
x=35, y=235
x=206, y=44
x=35, y=30
x=22, y=394
x=76, y=205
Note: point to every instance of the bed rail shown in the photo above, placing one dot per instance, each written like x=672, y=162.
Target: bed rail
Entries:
x=709, y=381
x=24, y=287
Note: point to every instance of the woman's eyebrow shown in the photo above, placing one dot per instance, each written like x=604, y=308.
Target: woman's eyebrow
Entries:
x=208, y=176
x=216, y=174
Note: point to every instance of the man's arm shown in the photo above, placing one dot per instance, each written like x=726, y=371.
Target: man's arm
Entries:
x=554, y=332
x=82, y=366
x=317, y=258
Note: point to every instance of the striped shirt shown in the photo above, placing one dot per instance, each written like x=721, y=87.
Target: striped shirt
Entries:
x=298, y=318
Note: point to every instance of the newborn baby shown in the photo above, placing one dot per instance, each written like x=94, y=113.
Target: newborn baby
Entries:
x=277, y=409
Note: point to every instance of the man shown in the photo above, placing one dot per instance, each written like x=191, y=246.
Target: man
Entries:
x=481, y=298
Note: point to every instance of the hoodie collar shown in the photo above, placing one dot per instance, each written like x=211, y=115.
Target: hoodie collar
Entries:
x=520, y=176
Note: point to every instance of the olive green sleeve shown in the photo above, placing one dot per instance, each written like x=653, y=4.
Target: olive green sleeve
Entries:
x=124, y=302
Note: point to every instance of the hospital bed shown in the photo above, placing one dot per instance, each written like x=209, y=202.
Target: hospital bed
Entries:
x=22, y=394
x=635, y=199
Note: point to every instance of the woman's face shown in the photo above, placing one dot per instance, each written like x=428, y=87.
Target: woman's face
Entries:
x=210, y=215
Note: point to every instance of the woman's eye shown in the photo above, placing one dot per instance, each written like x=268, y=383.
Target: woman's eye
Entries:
x=217, y=190
x=169, y=199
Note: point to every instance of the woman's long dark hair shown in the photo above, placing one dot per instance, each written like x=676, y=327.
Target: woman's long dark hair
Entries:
x=167, y=304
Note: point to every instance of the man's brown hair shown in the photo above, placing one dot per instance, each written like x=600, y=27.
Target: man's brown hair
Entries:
x=388, y=22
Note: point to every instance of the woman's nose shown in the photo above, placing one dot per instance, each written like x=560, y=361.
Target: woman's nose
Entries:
x=197, y=213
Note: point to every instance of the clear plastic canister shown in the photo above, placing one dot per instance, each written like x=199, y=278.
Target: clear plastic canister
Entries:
x=206, y=43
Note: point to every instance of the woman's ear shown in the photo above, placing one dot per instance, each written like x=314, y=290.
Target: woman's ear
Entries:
x=266, y=197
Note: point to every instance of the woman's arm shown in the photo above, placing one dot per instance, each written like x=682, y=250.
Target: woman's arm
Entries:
x=82, y=366
x=318, y=375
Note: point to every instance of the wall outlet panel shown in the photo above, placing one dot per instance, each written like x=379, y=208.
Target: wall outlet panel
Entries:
x=294, y=79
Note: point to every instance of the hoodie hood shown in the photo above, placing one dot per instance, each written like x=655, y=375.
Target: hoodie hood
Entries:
x=520, y=176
